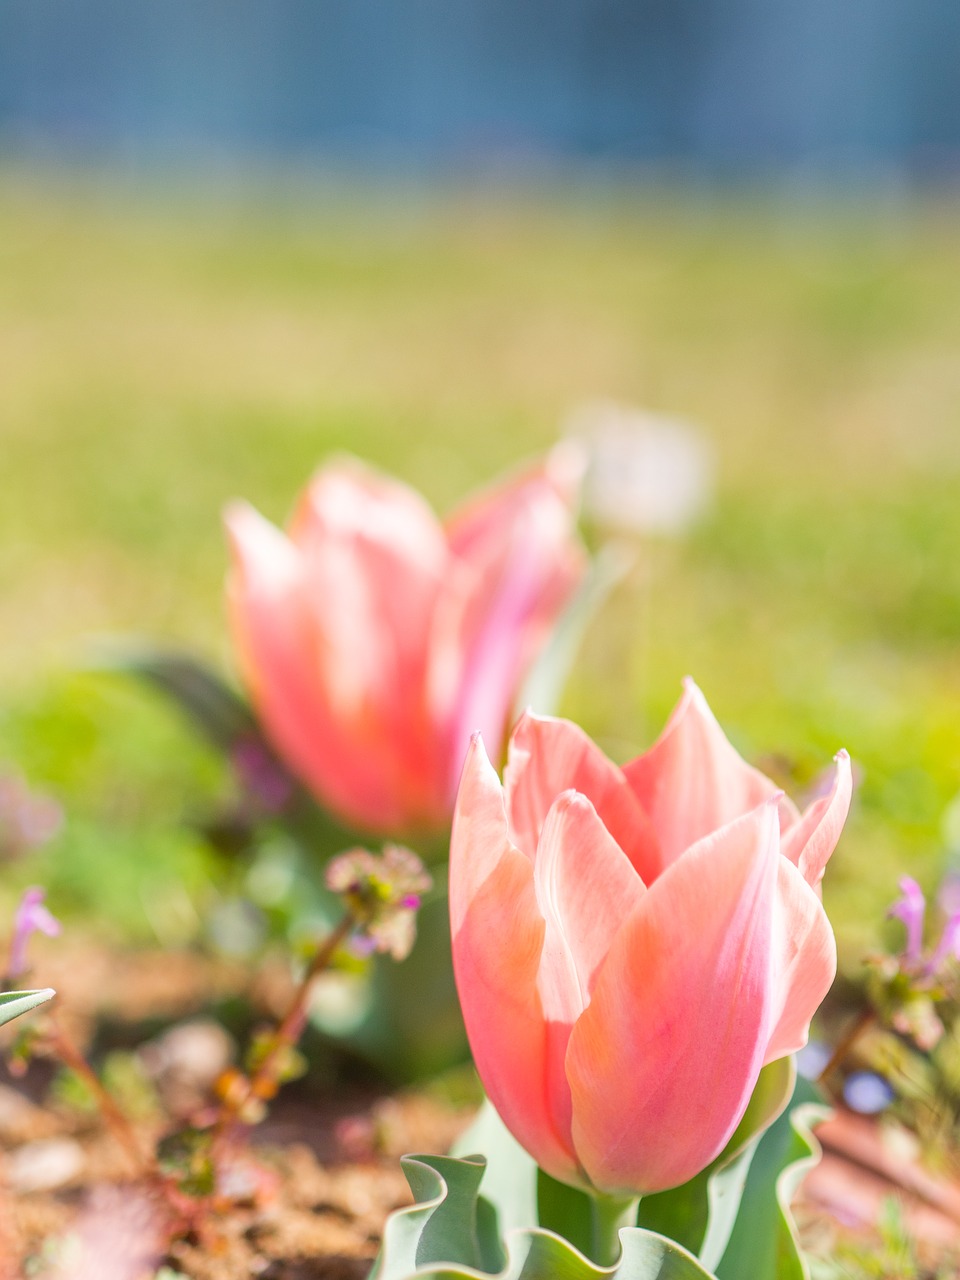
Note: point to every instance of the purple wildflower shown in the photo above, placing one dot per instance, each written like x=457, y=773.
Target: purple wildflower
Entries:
x=384, y=893
x=28, y=818
x=31, y=917
x=911, y=907
x=260, y=775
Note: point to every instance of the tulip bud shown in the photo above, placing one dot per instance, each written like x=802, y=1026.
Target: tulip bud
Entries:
x=374, y=639
x=632, y=946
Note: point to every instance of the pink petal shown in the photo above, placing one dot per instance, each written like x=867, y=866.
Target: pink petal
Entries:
x=349, y=501
x=516, y=565
x=805, y=961
x=479, y=523
x=305, y=665
x=585, y=888
x=663, y=1061
x=548, y=756
x=813, y=837
x=692, y=781
x=498, y=936
x=376, y=559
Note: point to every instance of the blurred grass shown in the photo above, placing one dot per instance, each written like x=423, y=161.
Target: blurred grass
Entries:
x=162, y=352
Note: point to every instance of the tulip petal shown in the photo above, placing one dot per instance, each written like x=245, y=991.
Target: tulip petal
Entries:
x=662, y=1063
x=805, y=961
x=813, y=837
x=348, y=500
x=372, y=556
x=303, y=680
x=548, y=756
x=375, y=556
x=498, y=936
x=692, y=781
x=585, y=887
x=480, y=522
x=516, y=564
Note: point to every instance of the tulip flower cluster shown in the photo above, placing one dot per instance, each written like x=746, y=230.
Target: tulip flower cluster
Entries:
x=633, y=945
x=375, y=639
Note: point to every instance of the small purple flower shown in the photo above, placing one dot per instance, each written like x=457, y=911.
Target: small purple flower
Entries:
x=260, y=775
x=31, y=917
x=949, y=944
x=911, y=907
x=867, y=1092
x=384, y=893
x=948, y=897
x=28, y=818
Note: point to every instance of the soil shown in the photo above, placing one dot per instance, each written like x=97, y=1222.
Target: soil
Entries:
x=312, y=1188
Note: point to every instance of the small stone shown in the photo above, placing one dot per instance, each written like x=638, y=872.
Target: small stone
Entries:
x=45, y=1165
x=197, y=1052
x=16, y=1114
x=186, y=1061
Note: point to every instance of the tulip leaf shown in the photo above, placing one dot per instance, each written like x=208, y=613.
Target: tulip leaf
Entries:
x=764, y=1243
x=701, y=1213
x=216, y=709
x=511, y=1181
x=447, y=1235
x=565, y=1210
x=543, y=686
x=13, y=1003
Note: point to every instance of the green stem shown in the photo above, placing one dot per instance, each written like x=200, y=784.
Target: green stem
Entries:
x=608, y=1214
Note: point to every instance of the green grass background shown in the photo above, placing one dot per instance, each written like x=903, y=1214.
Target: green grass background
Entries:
x=162, y=351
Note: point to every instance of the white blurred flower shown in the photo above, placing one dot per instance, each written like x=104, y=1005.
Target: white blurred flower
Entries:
x=646, y=473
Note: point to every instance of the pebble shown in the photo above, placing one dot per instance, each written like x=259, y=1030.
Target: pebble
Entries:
x=194, y=1053
x=45, y=1165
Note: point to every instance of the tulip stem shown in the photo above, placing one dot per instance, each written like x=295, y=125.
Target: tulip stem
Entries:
x=608, y=1214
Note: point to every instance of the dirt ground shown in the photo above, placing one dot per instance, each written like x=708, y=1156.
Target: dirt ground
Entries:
x=310, y=1191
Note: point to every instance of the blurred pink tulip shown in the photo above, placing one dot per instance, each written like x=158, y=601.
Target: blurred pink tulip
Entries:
x=633, y=945
x=374, y=639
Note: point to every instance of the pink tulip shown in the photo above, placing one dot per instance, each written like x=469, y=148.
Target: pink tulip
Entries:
x=633, y=945
x=374, y=639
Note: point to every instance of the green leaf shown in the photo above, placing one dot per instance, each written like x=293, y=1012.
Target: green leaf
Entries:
x=13, y=1003
x=565, y=1210
x=444, y=1236
x=216, y=709
x=701, y=1214
x=442, y=1226
x=764, y=1243
x=591, y=1222
x=510, y=1183
x=544, y=683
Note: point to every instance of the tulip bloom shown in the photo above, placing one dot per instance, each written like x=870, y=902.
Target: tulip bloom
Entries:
x=633, y=945
x=374, y=639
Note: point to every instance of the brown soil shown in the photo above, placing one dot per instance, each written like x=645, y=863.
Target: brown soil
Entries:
x=312, y=1189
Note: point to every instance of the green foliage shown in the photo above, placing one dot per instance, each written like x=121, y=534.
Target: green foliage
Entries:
x=733, y=1220
x=543, y=689
x=763, y=1244
x=14, y=1003
x=895, y=1256
x=216, y=710
x=452, y=1233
